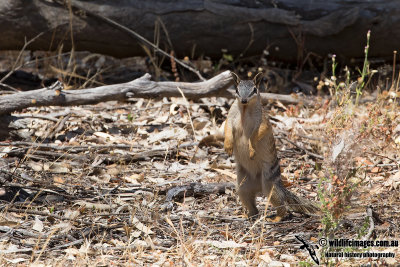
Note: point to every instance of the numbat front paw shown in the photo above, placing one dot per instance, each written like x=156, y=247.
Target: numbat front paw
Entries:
x=252, y=152
x=276, y=219
x=228, y=149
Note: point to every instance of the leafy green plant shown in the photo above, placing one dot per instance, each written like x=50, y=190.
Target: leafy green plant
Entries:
x=307, y=263
x=130, y=117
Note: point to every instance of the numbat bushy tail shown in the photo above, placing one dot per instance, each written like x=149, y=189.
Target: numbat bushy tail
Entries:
x=249, y=136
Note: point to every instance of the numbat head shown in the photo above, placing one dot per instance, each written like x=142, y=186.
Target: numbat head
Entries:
x=247, y=90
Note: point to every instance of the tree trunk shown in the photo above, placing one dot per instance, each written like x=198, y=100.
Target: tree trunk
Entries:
x=288, y=29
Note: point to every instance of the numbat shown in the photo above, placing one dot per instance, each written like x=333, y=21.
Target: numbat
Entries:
x=249, y=136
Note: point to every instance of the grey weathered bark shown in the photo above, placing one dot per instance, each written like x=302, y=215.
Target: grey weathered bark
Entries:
x=288, y=28
x=140, y=88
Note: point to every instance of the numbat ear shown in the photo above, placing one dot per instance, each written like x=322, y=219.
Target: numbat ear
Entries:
x=235, y=78
x=258, y=78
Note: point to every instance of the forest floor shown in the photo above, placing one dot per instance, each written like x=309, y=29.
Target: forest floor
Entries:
x=127, y=184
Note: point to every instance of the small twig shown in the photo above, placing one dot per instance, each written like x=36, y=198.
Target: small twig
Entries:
x=37, y=116
x=70, y=244
x=37, y=149
x=371, y=223
x=393, y=69
x=36, y=60
x=21, y=231
x=380, y=165
x=56, y=155
x=73, y=148
x=39, y=190
x=73, y=75
x=13, y=68
x=19, y=250
x=301, y=148
x=311, y=137
x=108, y=214
x=9, y=87
x=382, y=156
x=132, y=247
x=188, y=111
x=58, y=127
x=36, y=212
x=251, y=41
x=128, y=157
x=44, y=246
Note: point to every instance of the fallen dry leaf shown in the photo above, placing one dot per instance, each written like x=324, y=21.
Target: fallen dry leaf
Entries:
x=226, y=172
x=38, y=225
x=393, y=182
x=375, y=170
x=221, y=244
x=96, y=206
x=174, y=133
x=58, y=179
x=140, y=226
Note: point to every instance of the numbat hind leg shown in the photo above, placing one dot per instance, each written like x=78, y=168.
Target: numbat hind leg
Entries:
x=280, y=214
x=276, y=200
x=248, y=188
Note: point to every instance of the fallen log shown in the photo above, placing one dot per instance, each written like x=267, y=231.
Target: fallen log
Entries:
x=142, y=87
x=288, y=29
